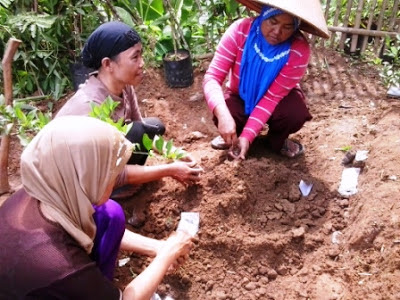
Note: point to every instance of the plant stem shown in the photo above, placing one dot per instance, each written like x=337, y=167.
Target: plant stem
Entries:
x=178, y=29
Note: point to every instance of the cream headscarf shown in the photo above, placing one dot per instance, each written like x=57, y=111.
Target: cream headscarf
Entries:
x=68, y=166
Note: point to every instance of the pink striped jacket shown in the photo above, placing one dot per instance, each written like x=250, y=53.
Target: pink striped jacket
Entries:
x=226, y=63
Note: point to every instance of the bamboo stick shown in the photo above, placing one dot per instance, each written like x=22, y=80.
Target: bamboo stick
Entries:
x=328, y=6
x=354, y=38
x=378, y=42
x=335, y=22
x=345, y=23
x=393, y=18
x=9, y=53
x=370, y=19
x=376, y=33
x=392, y=23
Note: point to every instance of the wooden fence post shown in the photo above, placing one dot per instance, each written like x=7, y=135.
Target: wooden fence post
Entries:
x=8, y=93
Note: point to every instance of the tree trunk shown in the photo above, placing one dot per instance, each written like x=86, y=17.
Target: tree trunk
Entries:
x=8, y=92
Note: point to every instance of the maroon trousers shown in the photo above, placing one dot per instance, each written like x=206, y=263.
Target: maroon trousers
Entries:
x=288, y=117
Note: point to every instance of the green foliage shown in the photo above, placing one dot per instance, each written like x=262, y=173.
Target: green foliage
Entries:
x=25, y=119
x=390, y=73
x=164, y=148
x=105, y=111
x=54, y=32
x=52, y=36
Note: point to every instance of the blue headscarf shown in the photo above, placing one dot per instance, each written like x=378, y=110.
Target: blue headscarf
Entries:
x=261, y=62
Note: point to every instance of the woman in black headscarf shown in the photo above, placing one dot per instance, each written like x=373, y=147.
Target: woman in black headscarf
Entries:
x=114, y=50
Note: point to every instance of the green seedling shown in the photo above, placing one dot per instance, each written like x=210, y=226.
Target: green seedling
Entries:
x=164, y=148
x=104, y=112
x=344, y=149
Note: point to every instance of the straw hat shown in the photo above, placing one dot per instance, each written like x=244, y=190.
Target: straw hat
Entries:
x=309, y=11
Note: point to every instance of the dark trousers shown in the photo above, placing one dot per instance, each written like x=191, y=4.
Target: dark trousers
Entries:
x=288, y=117
x=152, y=126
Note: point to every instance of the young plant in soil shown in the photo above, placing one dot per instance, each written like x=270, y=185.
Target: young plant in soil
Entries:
x=162, y=147
x=158, y=145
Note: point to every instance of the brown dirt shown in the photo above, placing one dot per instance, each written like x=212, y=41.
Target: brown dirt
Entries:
x=259, y=238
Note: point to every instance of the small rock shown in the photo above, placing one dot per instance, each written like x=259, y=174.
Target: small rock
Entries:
x=196, y=97
x=220, y=295
x=327, y=228
x=316, y=214
x=288, y=207
x=278, y=206
x=209, y=285
x=274, y=216
x=262, y=270
x=196, y=135
x=264, y=280
x=294, y=193
x=348, y=158
x=272, y=274
x=282, y=270
x=343, y=203
x=250, y=286
x=298, y=232
x=245, y=280
x=334, y=252
x=262, y=291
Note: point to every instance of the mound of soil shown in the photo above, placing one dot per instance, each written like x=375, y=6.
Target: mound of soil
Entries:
x=259, y=237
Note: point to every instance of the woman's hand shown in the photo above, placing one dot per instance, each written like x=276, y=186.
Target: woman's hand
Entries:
x=170, y=253
x=180, y=260
x=226, y=125
x=239, y=150
x=178, y=244
x=186, y=172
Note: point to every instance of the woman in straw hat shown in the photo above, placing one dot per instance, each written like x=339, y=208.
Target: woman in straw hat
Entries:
x=60, y=234
x=265, y=57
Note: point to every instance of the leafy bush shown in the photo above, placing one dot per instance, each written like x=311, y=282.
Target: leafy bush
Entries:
x=51, y=38
x=22, y=120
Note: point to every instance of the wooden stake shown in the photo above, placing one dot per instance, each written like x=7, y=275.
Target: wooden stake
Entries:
x=11, y=49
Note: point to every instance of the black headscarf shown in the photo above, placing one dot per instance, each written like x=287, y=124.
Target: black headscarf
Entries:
x=108, y=40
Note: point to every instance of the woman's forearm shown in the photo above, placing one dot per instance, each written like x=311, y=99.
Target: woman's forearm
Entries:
x=140, y=244
x=137, y=174
x=146, y=283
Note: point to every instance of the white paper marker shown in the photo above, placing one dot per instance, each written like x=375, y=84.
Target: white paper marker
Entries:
x=305, y=188
x=189, y=222
x=348, y=184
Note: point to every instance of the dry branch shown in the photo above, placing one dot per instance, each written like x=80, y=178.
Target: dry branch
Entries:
x=12, y=47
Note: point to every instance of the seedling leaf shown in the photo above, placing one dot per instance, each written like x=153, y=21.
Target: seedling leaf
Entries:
x=160, y=145
x=169, y=147
x=147, y=142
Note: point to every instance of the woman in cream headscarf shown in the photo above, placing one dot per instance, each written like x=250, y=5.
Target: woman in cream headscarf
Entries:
x=60, y=234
